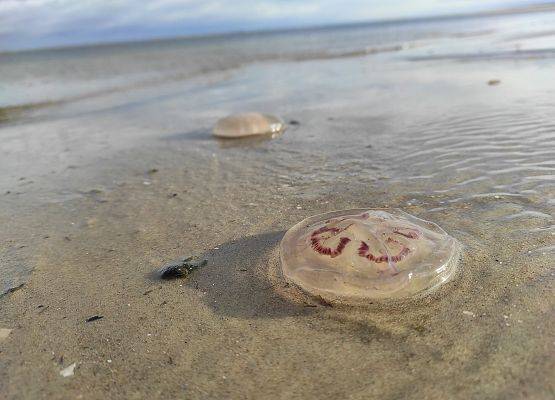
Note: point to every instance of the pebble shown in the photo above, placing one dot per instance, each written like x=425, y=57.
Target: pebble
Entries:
x=180, y=268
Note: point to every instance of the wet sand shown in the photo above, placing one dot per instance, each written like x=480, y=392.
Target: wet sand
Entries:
x=102, y=192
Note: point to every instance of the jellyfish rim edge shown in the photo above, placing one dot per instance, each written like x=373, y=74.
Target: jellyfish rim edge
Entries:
x=448, y=269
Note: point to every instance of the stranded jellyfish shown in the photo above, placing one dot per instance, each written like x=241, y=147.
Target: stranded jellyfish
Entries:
x=248, y=124
x=354, y=256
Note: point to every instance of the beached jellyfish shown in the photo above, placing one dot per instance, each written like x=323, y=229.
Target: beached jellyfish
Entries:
x=355, y=256
x=248, y=124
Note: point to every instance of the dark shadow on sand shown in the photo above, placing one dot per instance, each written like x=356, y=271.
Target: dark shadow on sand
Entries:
x=237, y=280
x=205, y=135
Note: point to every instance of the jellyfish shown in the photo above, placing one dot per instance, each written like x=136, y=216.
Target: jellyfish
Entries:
x=248, y=124
x=357, y=256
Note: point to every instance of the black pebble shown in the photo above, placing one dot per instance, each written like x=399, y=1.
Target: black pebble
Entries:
x=294, y=122
x=180, y=268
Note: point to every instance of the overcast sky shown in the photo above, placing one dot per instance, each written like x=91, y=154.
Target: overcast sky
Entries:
x=40, y=23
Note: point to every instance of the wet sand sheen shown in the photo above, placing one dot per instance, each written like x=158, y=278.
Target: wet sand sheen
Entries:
x=116, y=187
x=236, y=316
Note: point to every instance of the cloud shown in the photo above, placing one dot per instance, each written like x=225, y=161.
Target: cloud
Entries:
x=36, y=23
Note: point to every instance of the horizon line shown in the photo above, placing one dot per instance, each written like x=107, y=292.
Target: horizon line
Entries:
x=528, y=9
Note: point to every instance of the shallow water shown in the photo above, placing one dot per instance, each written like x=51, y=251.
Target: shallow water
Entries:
x=417, y=128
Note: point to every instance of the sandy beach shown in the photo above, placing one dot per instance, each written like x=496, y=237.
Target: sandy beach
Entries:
x=106, y=182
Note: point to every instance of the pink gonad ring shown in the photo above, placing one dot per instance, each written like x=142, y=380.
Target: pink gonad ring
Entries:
x=356, y=256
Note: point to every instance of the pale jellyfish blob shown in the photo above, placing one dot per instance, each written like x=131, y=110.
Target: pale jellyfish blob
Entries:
x=248, y=124
x=356, y=256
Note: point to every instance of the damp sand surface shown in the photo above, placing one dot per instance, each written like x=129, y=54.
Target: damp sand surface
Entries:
x=101, y=188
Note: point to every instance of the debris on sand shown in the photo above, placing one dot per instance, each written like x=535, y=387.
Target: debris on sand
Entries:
x=94, y=318
x=68, y=371
x=14, y=288
x=493, y=82
x=180, y=268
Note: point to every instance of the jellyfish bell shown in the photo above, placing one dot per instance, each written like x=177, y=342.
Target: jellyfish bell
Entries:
x=355, y=256
x=248, y=124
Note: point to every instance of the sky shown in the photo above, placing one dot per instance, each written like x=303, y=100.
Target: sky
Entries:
x=52, y=23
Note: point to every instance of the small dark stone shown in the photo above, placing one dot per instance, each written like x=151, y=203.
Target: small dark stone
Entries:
x=294, y=122
x=180, y=268
x=94, y=318
x=94, y=191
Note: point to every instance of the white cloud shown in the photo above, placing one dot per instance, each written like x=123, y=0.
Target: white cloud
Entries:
x=32, y=23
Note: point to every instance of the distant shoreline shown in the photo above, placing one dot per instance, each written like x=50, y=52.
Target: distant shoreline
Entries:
x=236, y=34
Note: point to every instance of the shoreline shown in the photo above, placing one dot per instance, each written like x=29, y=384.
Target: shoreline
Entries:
x=102, y=192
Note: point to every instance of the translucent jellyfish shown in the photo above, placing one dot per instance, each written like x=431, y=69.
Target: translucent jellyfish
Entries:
x=248, y=124
x=355, y=256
